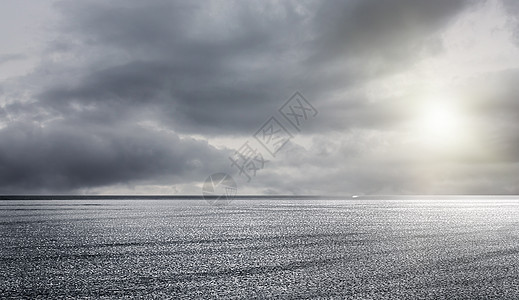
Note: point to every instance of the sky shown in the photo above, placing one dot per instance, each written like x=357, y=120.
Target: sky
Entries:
x=287, y=97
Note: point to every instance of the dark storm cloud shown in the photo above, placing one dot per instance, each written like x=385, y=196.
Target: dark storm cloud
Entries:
x=212, y=69
x=207, y=80
x=388, y=30
x=61, y=158
x=224, y=72
x=170, y=91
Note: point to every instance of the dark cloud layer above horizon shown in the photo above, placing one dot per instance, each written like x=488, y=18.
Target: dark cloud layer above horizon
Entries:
x=135, y=96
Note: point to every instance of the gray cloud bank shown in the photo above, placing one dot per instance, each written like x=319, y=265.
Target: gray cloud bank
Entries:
x=125, y=84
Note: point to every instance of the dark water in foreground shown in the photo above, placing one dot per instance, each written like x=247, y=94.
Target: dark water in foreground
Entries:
x=255, y=249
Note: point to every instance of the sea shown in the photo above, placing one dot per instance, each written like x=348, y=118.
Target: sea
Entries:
x=416, y=247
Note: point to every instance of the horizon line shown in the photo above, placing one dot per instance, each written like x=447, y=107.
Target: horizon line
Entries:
x=245, y=196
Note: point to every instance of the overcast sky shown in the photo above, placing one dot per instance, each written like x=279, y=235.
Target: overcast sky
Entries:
x=151, y=97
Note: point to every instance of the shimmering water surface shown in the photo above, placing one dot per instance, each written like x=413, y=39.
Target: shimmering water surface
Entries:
x=463, y=248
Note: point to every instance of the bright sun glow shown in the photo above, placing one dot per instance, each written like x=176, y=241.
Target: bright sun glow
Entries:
x=440, y=124
x=440, y=120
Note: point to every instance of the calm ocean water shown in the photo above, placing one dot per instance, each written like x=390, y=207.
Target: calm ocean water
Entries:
x=367, y=249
